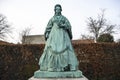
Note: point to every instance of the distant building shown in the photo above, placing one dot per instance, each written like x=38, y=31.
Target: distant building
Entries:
x=33, y=39
x=39, y=39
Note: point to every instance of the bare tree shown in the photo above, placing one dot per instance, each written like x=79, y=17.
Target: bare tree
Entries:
x=99, y=26
x=5, y=28
x=24, y=34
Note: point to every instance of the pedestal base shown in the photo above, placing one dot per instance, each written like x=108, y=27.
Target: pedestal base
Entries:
x=82, y=78
x=66, y=74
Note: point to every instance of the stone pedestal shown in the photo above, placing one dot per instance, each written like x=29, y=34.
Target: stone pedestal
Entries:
x=67, y=75
x=82, y=78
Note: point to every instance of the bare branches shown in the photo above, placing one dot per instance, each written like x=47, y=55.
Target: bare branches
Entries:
x=108, y=29
x=4, y=27
x=99, y=26
x=24, y=34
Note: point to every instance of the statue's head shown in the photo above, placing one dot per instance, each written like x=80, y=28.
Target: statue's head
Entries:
x=58, y=9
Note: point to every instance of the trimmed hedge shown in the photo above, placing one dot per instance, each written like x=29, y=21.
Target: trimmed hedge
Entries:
x=97, y=61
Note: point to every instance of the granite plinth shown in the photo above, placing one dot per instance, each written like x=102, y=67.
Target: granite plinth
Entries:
x=66, y=74
x=82, y=78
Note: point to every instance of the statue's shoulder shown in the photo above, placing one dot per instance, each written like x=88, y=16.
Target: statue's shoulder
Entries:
x=64, y=17
x=51, y=19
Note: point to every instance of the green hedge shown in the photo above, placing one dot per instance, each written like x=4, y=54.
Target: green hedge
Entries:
x=97, y=61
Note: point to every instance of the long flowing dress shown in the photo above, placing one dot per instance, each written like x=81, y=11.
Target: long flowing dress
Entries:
x=58, y=53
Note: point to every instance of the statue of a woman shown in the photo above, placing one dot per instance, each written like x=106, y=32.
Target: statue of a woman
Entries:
x=58, y=53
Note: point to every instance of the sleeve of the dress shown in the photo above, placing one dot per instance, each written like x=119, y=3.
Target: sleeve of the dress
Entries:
x=48, y=29
x=68, y=28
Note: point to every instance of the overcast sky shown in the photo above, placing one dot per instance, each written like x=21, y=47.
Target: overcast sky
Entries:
x=36, y=14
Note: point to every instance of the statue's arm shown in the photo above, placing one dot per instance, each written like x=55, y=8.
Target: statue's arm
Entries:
x=48, y=29
x=68, y=28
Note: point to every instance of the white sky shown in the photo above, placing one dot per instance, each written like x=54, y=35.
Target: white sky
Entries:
x=36, y=14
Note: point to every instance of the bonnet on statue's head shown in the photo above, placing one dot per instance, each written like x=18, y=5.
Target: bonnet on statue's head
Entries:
x=58, y=5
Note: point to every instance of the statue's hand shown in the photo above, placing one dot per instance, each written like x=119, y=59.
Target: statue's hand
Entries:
x=61, y=25
x=46, y=35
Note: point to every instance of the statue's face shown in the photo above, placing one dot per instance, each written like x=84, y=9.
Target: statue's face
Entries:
x=57, y=9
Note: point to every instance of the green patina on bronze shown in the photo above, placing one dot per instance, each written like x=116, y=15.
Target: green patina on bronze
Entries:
x=67, y=74
x=58, y=58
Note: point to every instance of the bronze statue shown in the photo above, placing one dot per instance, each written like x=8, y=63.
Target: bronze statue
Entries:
x=58, y=59
x=58, y=53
